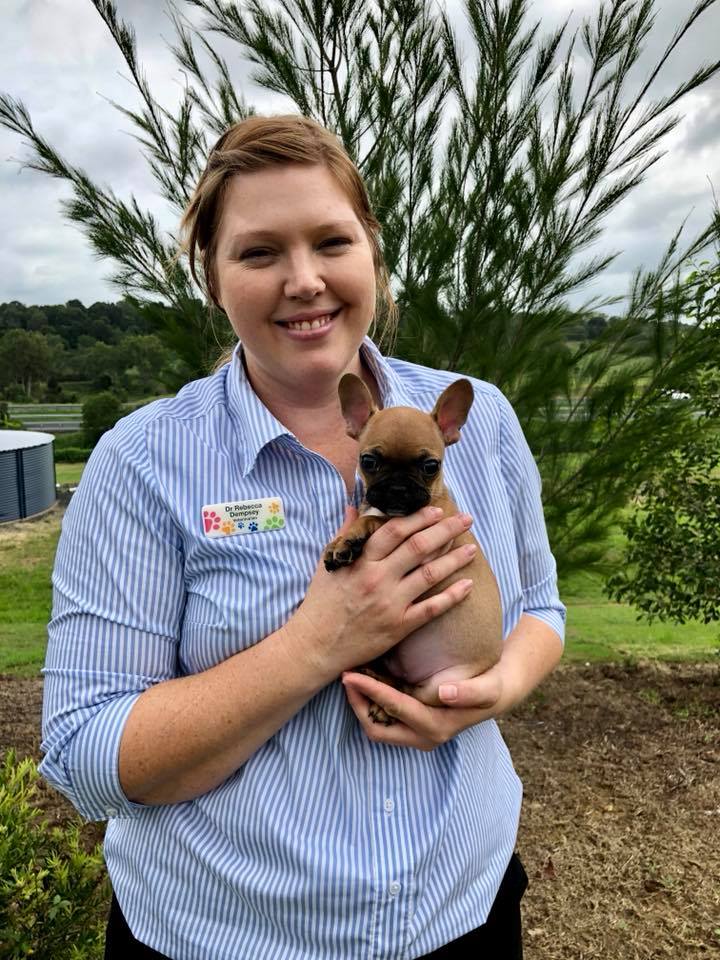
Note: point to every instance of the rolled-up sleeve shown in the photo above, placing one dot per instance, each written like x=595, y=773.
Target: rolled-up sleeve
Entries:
x=118, y=598
x=538, y=573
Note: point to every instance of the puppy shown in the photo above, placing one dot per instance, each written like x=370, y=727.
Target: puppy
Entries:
x=401, y=455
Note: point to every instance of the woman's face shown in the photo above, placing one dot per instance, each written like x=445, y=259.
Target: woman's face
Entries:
x=294, y=273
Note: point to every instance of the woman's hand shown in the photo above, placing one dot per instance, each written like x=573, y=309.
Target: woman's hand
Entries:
x=357, y=613
x=530, y=652
x=419, y=725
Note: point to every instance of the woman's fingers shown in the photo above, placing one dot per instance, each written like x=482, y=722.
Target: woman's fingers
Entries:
x=433, y=572
x=411, y=716
x=391, y=534
x=422, y=612
x=407, y=542
x=420, y=726
x=357, y=613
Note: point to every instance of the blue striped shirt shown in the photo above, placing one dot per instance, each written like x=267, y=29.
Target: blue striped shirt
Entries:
x=323, y=844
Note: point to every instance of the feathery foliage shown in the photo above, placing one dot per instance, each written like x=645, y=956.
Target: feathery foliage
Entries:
x=492, y=180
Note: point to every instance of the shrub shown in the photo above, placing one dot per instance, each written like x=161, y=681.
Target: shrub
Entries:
x=16, y=394
x=6, y=422
x=65, y=440
x=53, y=893
x=99, y=413
x=72, y=455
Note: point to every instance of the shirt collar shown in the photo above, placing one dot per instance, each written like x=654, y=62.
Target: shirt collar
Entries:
x=391, y=387
x=256, y=426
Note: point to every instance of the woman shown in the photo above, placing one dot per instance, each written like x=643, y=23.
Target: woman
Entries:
x=199, y=674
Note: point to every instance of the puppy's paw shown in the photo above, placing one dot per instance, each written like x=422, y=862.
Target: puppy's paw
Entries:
x=378, y=715
x=343, y=551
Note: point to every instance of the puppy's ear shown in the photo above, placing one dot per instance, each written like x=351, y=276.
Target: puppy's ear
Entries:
x=356, y=403
x=452, y=408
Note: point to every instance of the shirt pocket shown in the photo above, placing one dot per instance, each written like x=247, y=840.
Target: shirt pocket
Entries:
x=239, y=591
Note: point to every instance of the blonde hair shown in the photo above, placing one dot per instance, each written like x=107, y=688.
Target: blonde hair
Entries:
x=255, y=144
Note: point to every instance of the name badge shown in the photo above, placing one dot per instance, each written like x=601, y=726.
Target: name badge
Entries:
x=243, y=516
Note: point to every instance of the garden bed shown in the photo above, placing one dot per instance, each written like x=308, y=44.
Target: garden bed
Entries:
x=619, y=833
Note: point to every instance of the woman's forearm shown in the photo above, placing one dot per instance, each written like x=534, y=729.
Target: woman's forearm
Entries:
x=532, y=651
x=185, y=736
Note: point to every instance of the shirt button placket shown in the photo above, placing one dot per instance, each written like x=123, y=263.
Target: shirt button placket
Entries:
x=393, y=865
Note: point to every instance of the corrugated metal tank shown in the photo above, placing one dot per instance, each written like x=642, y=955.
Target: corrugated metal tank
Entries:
x=27, y=473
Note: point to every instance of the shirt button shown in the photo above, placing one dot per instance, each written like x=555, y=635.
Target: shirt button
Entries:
x=111, y=811
x=394, y=888
x=389, y=805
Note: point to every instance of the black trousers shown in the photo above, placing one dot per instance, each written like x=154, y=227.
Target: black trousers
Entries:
x=499, y=938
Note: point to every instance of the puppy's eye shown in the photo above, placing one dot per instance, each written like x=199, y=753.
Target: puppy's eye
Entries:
x=430, y=467
x=368, y=462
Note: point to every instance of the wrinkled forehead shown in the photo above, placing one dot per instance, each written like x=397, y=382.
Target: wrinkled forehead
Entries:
x=402, y=432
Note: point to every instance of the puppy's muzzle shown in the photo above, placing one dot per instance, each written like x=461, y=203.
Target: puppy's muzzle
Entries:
x=397, y=496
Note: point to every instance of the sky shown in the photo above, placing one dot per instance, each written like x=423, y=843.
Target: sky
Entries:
x=58, y=58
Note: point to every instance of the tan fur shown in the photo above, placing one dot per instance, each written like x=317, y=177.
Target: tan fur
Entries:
x=467, y=640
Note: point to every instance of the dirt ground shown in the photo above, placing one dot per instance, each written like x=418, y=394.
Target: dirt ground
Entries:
x=620, y=832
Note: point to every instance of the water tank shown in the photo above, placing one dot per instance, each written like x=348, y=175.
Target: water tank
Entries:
x=27, y=473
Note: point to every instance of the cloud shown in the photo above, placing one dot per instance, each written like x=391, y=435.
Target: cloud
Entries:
x=58, y=57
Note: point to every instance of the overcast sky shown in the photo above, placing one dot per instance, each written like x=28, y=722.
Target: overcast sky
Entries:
x=59, y=59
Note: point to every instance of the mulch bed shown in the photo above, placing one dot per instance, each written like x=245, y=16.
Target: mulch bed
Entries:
x=621, y=820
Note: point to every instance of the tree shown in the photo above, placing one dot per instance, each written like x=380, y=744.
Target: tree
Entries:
x=671, y=567
x=146, y=359
x=24, y=359
x=483, y=219
x=13, y=316
x=99, y=413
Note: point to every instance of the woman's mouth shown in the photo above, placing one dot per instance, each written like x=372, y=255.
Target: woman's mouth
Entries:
x=309, y=327
x=310, y=324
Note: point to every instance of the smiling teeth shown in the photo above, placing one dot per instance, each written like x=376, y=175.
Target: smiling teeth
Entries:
x=310, y=324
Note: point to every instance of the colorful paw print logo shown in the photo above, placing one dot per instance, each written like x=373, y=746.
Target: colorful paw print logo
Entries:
x=252, y=527
x=227, y=526
x=211, y=520
x=274, y=507
x=274, y=523
x=239, y=525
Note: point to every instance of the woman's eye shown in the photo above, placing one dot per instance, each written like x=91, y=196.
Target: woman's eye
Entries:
x=430, y=467
x=336, y=242
x=255, y=254
x=368, y=462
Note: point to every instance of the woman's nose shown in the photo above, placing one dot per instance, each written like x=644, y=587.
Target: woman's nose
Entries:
x=303, y=279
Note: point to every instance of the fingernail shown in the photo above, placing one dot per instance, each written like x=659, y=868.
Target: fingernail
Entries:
x=470, y=549
x=435, y=512
x=447, y=691
x=466, y=519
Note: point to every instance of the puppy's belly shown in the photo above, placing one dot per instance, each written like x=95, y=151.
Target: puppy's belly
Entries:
x=467, y=637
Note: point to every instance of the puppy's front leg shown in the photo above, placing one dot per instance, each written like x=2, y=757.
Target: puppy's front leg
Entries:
x=345, y=549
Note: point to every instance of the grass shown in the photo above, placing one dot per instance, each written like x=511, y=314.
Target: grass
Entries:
x=597, y=629
x=68, y=473
x=26, y=558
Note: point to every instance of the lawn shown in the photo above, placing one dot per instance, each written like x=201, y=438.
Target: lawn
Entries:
x=27, y=550
x=600, y=630
x=597, y=630
x=69, y=473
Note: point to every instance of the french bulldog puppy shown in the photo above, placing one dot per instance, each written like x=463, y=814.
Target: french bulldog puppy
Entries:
x=401, y=456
